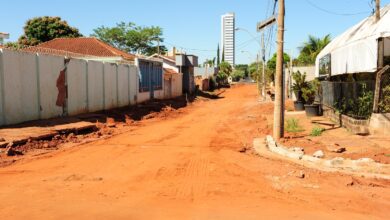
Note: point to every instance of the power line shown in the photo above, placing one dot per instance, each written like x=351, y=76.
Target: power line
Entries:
x=191, y=49
x=332, y=12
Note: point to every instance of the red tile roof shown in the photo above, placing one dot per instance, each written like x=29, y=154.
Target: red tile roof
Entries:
x=88, y=46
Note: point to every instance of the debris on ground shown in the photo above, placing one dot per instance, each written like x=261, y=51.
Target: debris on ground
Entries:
x=319, y=154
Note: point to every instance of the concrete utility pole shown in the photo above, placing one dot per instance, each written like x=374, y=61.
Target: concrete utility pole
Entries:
x=260, y=28
x=377, y=10
x=263, y=75
x=279, y=102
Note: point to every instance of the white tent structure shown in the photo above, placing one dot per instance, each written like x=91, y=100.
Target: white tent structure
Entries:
x=356, y=50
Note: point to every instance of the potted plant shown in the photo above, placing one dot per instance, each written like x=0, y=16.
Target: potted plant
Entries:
x=299, y=85
x=309, y=95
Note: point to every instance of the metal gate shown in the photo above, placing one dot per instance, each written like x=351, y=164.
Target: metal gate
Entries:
x=151, y=76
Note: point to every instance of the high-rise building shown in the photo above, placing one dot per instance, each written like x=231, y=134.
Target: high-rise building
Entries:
x=228, y=38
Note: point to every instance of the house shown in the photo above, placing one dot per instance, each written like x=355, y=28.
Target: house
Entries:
x=187, y=64
x=86, y=47
x=173, y=79
x=352, y=68
x=184, y=64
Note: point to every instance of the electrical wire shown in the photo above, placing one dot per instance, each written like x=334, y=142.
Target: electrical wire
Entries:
x=334, y=13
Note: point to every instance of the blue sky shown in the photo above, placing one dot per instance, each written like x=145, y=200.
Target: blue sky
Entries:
x=195, y=24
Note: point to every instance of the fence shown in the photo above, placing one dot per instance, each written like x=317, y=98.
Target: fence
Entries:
x=384, y=93
x=32, y=86
x=354, y=99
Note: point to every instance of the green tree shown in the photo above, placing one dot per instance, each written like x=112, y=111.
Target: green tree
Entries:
x=271, y=65
x=210, y=63
x=238, y=74
x=41, y=29
x=225, y=70
x=132, y=38
x=311, y=48
x=218, y=56
x=243, y=67
x=12, y=45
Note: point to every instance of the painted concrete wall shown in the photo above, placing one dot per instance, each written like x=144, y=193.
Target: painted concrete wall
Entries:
x=110, y=86
x=123, y=85
x=20, y=91
x=134, y=84
x=28, y=86
x=95, y=86
x=49, y=70
x=77, y=87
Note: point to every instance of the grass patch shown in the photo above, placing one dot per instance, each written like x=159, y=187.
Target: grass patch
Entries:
x=316, y=131
x=387, y=155
x=292, y=126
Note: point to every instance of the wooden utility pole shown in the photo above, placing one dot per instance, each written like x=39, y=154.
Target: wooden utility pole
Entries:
x=279, y=102
x=263, y=75
x=377, y=10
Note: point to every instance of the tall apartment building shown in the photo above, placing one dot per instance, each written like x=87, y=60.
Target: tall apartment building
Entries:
x=228, y=37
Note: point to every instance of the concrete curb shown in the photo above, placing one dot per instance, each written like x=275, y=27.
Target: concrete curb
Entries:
x=364, y=167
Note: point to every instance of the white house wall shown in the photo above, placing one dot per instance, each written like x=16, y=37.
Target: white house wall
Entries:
x=77, y=87
x=20, y=90
x=28, y=86
x=49, y=70
x=134, y=83
x=123, y=85
x=95, y=86
x=110, y=86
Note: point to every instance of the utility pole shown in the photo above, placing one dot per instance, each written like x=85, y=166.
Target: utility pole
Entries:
x=258, y=73
x=263, y=76
x=377, y=10
x=260, y=28
x=278, y=131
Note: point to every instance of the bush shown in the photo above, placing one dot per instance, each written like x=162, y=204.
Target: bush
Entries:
x=316, y=131
x=292, y=126
x=237, y=75
x=212, y=83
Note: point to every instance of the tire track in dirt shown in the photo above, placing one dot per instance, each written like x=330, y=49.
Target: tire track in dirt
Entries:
x=193, y=183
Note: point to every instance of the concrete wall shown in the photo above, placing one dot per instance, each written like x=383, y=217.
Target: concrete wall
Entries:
x=310, y=75
x=28, y=86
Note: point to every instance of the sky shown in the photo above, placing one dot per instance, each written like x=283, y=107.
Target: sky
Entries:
x=194, y=26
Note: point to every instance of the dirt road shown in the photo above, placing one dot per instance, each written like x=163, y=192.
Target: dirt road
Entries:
x=188, y=166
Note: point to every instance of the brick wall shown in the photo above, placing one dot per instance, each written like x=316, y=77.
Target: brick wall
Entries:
x=356, y=126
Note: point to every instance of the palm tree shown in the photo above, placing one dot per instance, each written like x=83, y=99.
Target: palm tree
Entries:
x=311, y=48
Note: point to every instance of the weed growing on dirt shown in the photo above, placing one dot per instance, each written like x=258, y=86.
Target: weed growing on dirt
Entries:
x=292, y=126
x=316, y=131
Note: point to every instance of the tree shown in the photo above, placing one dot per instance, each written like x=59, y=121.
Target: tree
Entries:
x=271, y=64
x=242, y=67
x=225, y=70
x=41, y=29
x=210, y=63
x=12, y=45
x=311, y=48
x=132, y=38
x=238, y=74
x=218, y=56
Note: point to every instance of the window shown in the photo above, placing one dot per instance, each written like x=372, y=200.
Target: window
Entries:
x=325, y=66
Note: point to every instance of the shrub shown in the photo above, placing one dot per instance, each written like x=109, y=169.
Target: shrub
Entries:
x=316, y=131
x=292, y=126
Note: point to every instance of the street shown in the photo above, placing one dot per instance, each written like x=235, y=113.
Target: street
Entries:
x=194, y=164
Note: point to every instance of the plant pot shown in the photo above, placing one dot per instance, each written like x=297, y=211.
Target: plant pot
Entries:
x=299, y=106
x=272, y=97
x=312, y=110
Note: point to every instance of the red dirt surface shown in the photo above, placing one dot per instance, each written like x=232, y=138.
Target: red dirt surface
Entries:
x=195, y=165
